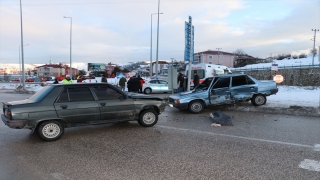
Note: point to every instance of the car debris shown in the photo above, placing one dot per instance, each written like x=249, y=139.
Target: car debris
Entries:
x=220, y=119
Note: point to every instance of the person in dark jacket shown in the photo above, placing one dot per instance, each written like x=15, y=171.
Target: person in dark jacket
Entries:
x=180, y=82
x=195, y=80
x=104, y=79
x=56, y=81
x=122, y=83
x=134, y=84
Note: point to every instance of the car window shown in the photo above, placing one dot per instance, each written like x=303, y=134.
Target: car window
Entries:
x=153, y=81
x=250, y=81
x=163, y=82
x=107, y=93
x=80, y=94
x=239, y=80
x=40, y=94
x=75, y=95
x=222, y=83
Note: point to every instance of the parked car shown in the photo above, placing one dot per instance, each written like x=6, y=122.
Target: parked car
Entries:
x=156, y=86
x=60, y=106
x=224, y=89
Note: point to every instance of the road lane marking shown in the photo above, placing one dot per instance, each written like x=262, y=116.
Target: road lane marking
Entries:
x=311, y=165
x=241, y=137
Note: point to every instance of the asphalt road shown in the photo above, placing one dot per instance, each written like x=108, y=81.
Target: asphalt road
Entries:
x=180, y=146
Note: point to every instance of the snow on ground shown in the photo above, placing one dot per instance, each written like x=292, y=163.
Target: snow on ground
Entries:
x=287, y=96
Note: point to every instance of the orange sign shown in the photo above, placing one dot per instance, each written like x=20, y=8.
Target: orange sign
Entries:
x=278, y=78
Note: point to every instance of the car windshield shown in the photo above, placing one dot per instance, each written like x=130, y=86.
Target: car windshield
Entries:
x=40, y=94
x=205, y=84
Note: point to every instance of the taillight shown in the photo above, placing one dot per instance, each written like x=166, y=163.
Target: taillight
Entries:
x=9, y=115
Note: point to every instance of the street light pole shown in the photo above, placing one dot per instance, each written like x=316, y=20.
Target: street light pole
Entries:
x=70, y=46
x=314, y=43
x=20, y=63
x=157, y=41
x=218, y=55
x=22, y=54
x=151, y=47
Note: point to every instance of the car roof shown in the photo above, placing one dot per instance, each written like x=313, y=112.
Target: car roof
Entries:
x=81, y=84
x=229, y=75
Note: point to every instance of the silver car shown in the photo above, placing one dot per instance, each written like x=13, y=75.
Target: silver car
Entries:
x=224, y=89
x=156, y=86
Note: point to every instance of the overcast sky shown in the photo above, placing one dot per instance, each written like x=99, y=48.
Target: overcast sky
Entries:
x=119, y=31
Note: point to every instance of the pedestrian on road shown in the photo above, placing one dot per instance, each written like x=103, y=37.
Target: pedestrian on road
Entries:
x=134, y=84
x=104, y=79
x=180, y=82
x=141, y=84
x=195, y=80
x=67, y=80
x=122, y=83
x=56, y=81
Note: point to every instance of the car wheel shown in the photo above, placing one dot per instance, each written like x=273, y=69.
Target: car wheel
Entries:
x=147, y=90
x=148, y=118
x=196, y=107
x=50, y=130
x=258, y=100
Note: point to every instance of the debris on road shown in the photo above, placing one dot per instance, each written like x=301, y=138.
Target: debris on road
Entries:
x=220, y=118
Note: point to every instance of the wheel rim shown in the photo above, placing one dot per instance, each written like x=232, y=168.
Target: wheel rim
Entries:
x=196, y=107
x=149, y=118
x=259, y=100
x=51, y=130
x=148, y=91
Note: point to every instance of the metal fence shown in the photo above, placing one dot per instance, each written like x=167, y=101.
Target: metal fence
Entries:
x=304, y=75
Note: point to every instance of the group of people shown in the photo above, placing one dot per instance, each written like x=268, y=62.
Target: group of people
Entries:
x=181, y=80
x=135, y=84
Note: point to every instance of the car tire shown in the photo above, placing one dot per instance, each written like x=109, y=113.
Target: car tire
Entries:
x=50, y=130
x=148, y=118
x=258, y=99
x=147, y=91
x=196, y=107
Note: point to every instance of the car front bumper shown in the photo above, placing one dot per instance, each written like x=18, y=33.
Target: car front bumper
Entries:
x=15, y=124
x=179, y=106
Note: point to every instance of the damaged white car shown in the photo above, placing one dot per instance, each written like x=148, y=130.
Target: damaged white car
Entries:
x=224, y=89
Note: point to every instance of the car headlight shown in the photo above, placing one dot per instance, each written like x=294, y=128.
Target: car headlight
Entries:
x=177, y=101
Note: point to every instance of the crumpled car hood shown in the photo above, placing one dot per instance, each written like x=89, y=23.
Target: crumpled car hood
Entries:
x=142, y=96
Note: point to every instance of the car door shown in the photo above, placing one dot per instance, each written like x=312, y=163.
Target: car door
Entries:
x=77, y=105
x=242, y=87
x=113, y=104
x=154, y=85
x=163, y=86
x=219, y=93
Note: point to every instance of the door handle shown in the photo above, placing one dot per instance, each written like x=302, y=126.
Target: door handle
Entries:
x=102, y=104
x=64, y=106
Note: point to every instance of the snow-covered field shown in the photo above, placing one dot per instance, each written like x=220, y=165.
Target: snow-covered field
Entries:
x=286, y=97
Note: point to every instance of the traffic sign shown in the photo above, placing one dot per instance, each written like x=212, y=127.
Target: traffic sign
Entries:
x=278, y=78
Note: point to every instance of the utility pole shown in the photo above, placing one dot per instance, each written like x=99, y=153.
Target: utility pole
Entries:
x=314, y=43
x=218, y=55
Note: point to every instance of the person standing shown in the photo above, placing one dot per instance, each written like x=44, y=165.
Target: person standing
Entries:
x=141, y=84
x=180, y=82
x=67, y=80
x=104, y=79
x=195, y=80
x=56, y=81
x=122, y=83
x=134, y=84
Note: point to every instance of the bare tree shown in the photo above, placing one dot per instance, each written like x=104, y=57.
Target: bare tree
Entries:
x=314, y=52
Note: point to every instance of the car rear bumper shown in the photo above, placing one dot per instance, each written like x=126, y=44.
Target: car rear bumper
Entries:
x=15, y=124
